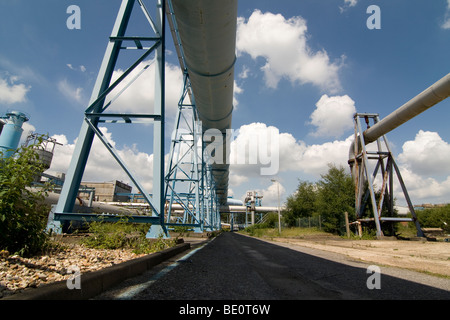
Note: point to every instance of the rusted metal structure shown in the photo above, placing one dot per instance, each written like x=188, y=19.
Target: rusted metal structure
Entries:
x=360, y=157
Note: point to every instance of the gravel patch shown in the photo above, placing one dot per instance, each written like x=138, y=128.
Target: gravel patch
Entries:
x=18, y=273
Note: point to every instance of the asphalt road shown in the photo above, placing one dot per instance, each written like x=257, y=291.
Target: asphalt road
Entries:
x=237, y=267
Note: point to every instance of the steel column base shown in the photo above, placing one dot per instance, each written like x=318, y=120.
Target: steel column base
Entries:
x=157, y=232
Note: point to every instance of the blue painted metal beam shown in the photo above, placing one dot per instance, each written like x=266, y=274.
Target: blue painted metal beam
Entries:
x=159, y=127
x=91, y=217
x=94, y=115
x=85, y=138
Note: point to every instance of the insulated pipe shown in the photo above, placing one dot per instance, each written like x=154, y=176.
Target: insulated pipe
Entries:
x=207, y=30
x=428, y=98
x=179, y=208
x=235, y=208
x=97, y=207
x=241, y=209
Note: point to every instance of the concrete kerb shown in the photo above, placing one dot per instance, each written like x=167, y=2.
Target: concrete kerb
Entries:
x=96, y=282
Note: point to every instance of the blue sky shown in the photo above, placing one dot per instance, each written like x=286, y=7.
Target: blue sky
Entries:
x=311, y=65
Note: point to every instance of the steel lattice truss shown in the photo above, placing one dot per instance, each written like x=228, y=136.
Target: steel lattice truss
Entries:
x=188, y=185
x=384, y=167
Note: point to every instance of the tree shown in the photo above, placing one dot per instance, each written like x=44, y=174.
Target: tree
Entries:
x=335, y=196
x=22, y=213
x=435, y=218
x=302, y=203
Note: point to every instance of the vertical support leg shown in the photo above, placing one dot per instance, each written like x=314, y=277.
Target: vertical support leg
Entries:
x=361, y=171
x=158, y=143
x=408, y=201
x=365, y=160
x=86, y=136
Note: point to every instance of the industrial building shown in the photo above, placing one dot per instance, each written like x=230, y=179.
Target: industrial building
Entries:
x=112, y=191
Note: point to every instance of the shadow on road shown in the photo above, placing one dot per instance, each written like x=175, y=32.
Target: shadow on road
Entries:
x=237, y=267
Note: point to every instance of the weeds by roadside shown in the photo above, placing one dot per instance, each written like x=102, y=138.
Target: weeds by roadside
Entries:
x=262, y=231
x=123, y=234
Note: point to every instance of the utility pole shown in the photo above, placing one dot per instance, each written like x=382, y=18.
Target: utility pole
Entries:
x=279, y=206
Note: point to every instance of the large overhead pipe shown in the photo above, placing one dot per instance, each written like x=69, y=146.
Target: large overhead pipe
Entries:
x=359, y=161
x=428, y=98
x=207, y=30
x=434, y=94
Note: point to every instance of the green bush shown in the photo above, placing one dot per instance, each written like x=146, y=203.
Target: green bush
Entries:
x=270, y=222
x=23, y=216
x=435, y=218
x=330, y=197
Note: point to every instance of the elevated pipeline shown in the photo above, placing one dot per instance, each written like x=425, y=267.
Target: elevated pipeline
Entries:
x=425, y=100
x=207, y=30
x=179, y=208
x=436, y=93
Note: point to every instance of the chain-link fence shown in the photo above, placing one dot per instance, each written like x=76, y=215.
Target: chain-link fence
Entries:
x=309, y=222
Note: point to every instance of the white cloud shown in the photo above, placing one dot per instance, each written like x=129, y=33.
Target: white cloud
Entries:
x=140, y=96
x=270, y=194
x=101, y=166
x=60, y=138
x=446, y=23
x=426, y=155
x=255, y=148
x=423, y=163
x=10, y=92
x=71, y=67
x=71, y=92
x=333, y=116
x=237, y=90
x=425, y=169
x=283, y=44
x=316, y=158
x=348, y=4
x=423, y=189
x=294, y=155
x=244, y=73
x=351, y=3
x=237, y=180
x=27, y=129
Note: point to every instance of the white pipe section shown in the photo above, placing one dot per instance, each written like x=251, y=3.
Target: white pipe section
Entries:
x=207, y=31
x=179, y=208
x=208, y=34
x=428, y=98
x=240, y=209
x=97, y=207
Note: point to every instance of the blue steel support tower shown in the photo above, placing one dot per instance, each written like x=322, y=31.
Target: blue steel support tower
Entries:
x=205, y=44
x=95, y=114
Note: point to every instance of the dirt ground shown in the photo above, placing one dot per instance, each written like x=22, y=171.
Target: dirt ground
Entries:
x=423, y=256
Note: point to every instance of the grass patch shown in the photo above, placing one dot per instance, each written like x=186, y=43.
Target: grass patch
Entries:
x=294, y=232
x=124, y=235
